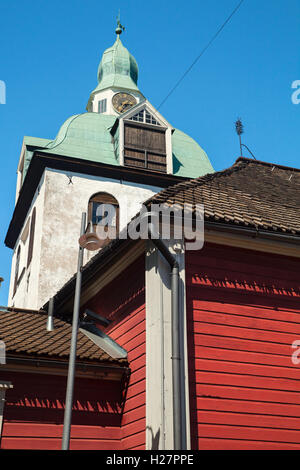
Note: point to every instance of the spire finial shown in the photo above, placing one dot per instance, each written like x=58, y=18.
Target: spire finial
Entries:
x=119, y=27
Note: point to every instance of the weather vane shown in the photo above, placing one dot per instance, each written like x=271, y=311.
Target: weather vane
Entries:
x=119, y=27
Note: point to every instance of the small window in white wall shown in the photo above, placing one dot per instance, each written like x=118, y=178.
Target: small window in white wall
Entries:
x=102, y=106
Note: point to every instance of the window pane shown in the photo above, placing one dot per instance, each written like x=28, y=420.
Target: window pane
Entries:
x=103, y=214
x=102, y=106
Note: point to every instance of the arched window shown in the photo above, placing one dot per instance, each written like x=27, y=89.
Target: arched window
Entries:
x=103, y=213
x=31, y=237
x=17, y=269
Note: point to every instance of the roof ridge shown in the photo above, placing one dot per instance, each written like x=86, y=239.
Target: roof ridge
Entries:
x=261, y=162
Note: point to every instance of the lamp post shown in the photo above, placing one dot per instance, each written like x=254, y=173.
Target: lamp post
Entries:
x=91, y=242
x=72, y=358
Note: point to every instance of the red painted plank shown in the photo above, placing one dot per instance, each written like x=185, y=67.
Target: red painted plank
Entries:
x=247, y=322
x=138, y=368
x=128, y=324
x=136, y=389
x=284, y=363
x=244, y=393
x=134, y=343
x=134, y=428
x=238, y=344
x=132, y=442
x=130, y=327
x=136, y=353
x=285, y=375
x=249, y=433
x=53, y=430
x=247, y=419
x=55, y=444
x=247, y=310
x=240, y=380
x=230, y=444
x=134, y=402
x=241, y=406
x=134, y=415
x=243, y=333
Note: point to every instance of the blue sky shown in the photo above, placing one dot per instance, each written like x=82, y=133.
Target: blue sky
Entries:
x=50, y=52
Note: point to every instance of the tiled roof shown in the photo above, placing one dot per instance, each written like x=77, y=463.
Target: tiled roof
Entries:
x=24, y=332
x=254, y=194
x=250, y=193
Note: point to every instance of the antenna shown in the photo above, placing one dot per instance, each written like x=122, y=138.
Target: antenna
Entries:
x=240, y=130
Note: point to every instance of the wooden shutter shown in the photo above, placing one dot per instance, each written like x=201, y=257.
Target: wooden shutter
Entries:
x=145, y=146
x=31, y=237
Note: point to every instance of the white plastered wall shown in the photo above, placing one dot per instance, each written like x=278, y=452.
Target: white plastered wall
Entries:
x=26, y=295
x=159, y=393
x=59, y=204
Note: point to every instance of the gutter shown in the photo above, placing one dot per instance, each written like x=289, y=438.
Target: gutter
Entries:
x=60, y=367
x=253, y=232
x=178, y=410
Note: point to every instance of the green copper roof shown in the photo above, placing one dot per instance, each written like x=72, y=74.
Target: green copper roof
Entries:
x=87, y=136
x=118, y=68
x=189, y=159
x=34, y=143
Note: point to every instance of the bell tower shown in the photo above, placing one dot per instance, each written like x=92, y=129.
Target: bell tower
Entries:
x=120, y=151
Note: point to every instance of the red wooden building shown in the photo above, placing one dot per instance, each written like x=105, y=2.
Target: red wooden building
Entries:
x=239, y=317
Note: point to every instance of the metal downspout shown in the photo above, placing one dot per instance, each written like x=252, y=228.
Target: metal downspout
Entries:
x=179, y=439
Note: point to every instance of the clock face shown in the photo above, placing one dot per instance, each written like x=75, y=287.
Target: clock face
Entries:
x=123, y=101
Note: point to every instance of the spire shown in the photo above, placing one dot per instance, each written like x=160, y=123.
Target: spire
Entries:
x=118, y=68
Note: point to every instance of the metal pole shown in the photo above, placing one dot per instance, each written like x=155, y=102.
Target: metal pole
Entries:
x=241, y=150
x=72, y=358
x=178, y=431
x=50, y=323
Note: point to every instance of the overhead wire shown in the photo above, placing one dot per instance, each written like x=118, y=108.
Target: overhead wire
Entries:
x=201, y=53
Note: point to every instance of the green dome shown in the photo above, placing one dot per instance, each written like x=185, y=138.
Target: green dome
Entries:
x=118, y=68
x=87, y=136
x=189, y=159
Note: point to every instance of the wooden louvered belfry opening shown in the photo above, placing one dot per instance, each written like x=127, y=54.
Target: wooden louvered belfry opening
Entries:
x=145, y=143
